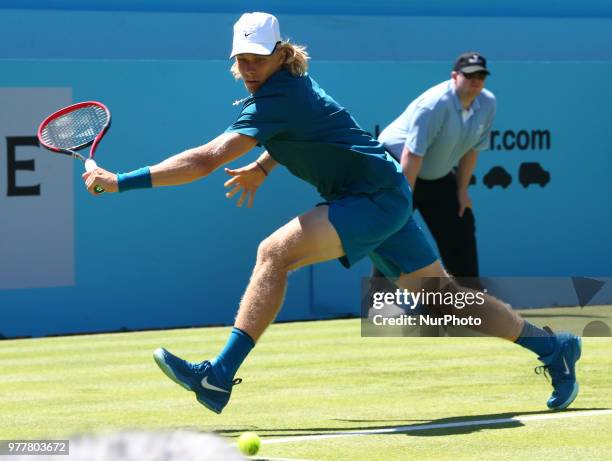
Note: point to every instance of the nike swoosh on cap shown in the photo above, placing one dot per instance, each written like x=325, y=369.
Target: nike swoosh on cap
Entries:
x=212, y=387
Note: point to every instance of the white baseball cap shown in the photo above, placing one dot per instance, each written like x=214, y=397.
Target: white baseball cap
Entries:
x=256, y=33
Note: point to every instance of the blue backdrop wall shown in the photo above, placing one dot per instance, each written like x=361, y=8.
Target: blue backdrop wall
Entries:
x=182, y=256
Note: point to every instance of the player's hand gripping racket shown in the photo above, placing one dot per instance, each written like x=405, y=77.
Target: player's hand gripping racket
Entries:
x=76, y=127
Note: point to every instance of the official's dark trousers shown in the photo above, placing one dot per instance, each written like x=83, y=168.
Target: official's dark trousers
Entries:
x=455, y=236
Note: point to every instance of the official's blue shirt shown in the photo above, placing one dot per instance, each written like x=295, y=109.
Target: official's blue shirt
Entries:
x=308, y=132
x=436, y=127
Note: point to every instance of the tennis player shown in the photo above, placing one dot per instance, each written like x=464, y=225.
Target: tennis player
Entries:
x=367, y=211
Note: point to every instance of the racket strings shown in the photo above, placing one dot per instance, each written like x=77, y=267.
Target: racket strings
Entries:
x=75, y=129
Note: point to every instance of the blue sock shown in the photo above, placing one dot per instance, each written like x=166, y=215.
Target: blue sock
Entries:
x=536, y=340
x=238, y=346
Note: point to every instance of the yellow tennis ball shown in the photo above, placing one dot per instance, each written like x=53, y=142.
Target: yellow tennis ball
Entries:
x=249, y=443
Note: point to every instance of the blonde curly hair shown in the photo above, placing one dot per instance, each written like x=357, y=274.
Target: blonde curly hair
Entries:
x=296, y=59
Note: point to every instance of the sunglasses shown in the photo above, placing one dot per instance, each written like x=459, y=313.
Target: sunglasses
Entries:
x=476, y=75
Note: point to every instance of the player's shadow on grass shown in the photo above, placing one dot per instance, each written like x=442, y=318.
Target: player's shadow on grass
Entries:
x=420, y=428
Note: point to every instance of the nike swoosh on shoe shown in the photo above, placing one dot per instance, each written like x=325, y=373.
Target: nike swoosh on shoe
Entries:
x=212, y=387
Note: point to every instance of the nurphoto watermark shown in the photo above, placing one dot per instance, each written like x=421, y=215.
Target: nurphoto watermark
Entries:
x=483, y=306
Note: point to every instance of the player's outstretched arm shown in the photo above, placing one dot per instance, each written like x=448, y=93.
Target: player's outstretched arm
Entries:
x=248, y=178
x=182, y=168
x=200, y=161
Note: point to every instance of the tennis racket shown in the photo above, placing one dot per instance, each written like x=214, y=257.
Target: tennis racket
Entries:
x=76, y=127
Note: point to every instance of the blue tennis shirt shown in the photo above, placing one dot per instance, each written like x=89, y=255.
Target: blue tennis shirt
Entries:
x=305, y=130
x=436, y=127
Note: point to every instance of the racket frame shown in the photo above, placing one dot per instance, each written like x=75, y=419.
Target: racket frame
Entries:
x=90, y=163
x=72, y=151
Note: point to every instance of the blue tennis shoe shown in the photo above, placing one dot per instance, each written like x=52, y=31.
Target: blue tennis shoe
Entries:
x=560, y=365
x=201, y=378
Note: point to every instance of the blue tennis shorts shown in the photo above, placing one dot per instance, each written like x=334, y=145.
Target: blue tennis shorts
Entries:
x=382, y=227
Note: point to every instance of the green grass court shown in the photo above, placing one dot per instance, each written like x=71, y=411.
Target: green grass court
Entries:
x=315, y=378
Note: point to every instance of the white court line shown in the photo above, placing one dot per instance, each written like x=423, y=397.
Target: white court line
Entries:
x=425, y=427
x=277, y=459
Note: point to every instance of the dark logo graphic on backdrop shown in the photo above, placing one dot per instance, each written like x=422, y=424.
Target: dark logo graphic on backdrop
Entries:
x=533, y=173
x=521, y=140
x=529, y=173
x=13, y=189
x=497, y=176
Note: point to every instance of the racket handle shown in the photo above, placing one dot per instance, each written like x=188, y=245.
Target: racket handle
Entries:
x=90, y=165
